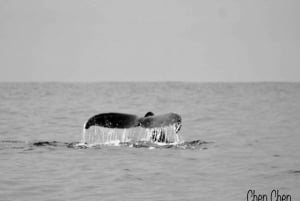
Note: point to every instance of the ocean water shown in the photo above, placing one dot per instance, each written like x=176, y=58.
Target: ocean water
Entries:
x=238, y=137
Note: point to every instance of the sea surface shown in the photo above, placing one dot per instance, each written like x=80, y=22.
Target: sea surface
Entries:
x=238, y=137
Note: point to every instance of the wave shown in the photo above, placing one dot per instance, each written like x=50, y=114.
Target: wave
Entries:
x=27, y=146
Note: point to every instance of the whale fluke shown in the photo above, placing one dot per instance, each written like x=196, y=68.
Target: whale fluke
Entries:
x=112, y=120
x=158, y=126
x=157, y=121
x=148, y=114
x=122, y=121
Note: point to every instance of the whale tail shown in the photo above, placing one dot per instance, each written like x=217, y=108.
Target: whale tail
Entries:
x=112, y=120
x=148, y=114
x=159, y=128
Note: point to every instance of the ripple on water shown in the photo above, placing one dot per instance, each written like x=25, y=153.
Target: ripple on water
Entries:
x=52, y=145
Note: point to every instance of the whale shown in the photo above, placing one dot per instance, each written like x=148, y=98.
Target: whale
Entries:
x=150, y=121
x=123, y=121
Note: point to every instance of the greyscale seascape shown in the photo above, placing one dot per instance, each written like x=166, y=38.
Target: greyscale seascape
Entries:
x=153, y=100
x=249, y=134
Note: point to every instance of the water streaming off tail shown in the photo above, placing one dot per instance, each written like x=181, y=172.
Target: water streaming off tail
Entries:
x=112, y=136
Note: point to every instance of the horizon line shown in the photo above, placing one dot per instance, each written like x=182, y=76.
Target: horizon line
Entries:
x=146, y=81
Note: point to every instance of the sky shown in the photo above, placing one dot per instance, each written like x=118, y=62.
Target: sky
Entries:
x=153, y=40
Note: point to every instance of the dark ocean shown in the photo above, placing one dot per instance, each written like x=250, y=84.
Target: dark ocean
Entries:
x=238, y=137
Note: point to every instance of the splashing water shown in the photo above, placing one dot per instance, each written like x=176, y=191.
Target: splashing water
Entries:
x=114, y=136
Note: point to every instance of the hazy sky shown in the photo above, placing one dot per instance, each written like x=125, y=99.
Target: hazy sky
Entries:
x=153, y=40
